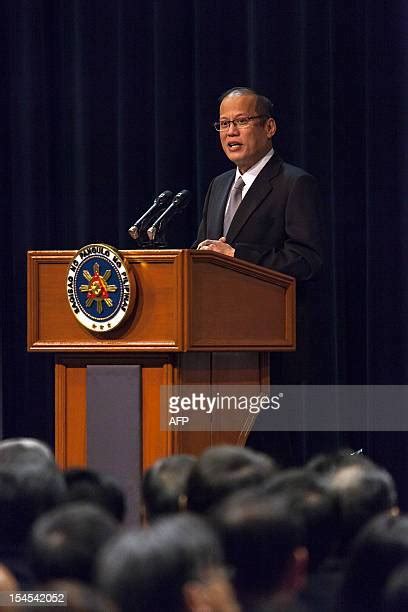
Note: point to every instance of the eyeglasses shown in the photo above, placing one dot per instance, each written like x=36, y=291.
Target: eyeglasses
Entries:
x=241, y=122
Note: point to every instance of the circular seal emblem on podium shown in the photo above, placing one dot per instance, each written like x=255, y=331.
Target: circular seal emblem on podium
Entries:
x=100, y=288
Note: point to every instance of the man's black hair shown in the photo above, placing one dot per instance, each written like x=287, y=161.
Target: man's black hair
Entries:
x=92, y=486
x=318, y=505
x=222, y=470
x=396, y=590
x=259, y=534
x=146, y=570
x=326, y=464
x=363, y=491
x=164, y=485
x=377, y=551
x=65, y=541
x=26, y=492
x=15, y=452
x=264, y=106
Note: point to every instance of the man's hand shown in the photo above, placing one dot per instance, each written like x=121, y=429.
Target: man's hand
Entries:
x=220, y=246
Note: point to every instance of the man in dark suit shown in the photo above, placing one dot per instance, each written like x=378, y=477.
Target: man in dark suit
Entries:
x=276, y=224
x=273, y=221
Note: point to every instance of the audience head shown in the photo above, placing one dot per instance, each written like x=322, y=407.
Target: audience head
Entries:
x=396, y=590
x=23, y=451
x=363, y=491
x=222, y=470
x=65, y=541
x=26, y=492
x=164, y=485
x=263, y=540
x=89, y=485
x=175, y=564
x=378, y=549
x=326, y=464
x=311, y=497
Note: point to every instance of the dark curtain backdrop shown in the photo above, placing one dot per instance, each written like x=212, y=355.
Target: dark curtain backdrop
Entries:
x=105, y=103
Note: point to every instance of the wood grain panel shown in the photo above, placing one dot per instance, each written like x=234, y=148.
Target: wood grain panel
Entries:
x=239, y=307
x=186, y=300
x=155, y=324
x=70, y=411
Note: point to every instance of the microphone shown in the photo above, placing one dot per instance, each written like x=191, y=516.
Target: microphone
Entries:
x=159, y=203
x=180, y=200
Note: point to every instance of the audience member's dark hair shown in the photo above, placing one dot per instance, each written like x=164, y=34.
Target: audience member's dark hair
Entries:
x=30, y=484
x=164, y=485
x=328, y=463
x=363, y=490
x=379, y=548
x=222, y=470
x=89, y=485
x=309, y=495
x=65, y=541
x=146, y=570
x=26, y=492
x=396, y=590
x=260, y=534
x=15, y=452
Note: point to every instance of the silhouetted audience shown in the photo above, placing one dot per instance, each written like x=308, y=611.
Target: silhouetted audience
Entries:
x=30, y=484
x=176, y=565
x=317, y=503
x=323, y=538
x=65, y=541
x=164, y=485
x=90, y=486
x=326, y=464
x=222, y=470
x=18, y=451
x=310, y=495
x=378, y=550
x=363, y=491
x=264, y=544
x=395, y=597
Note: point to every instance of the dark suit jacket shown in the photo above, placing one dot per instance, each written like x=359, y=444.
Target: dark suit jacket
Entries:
x=277, y=224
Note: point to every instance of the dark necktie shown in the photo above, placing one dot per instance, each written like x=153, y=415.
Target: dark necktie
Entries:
x=234, y=201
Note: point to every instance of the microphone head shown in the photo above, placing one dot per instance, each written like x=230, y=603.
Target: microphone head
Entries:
x=163, y=198
x=159, y=203
x=182, y=198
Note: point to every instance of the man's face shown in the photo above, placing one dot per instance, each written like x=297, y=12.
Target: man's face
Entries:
x=245, y=146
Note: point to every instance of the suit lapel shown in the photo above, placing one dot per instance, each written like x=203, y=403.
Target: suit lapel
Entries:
x=260, y=188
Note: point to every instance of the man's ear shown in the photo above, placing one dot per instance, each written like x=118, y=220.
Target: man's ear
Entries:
x=271, y=127
x=295, y=577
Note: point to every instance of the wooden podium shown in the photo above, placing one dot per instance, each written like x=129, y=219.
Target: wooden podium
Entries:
x=199, y=317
